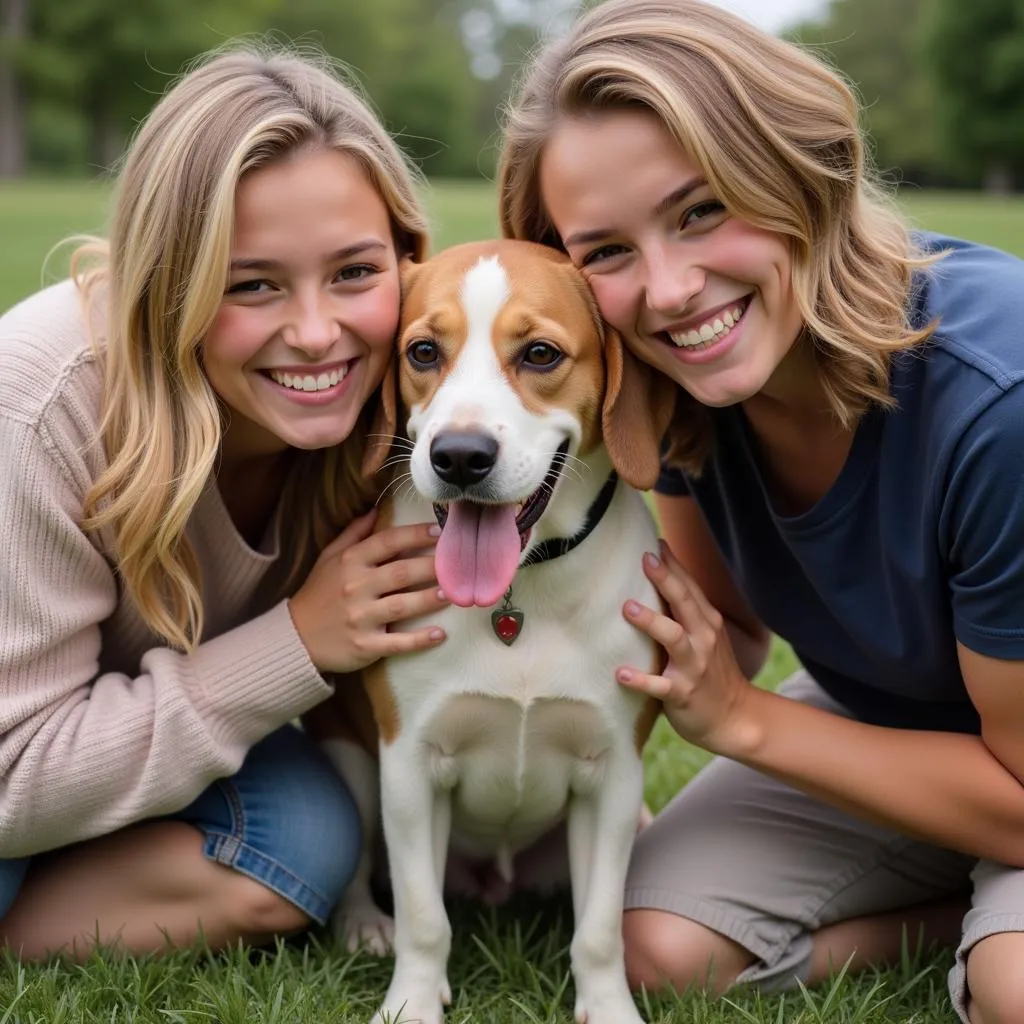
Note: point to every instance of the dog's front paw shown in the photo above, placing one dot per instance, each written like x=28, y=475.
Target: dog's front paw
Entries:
x=361, y=924
x=413, y=1006
x=606, y=1004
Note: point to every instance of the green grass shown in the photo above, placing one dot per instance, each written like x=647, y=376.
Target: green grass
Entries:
x=995, y=220
x=461, y=211
x=36, y=216
x=503, y=970
x=506, y=968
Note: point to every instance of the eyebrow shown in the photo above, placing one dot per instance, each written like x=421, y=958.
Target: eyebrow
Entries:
x=356, y=249
x=661, y=207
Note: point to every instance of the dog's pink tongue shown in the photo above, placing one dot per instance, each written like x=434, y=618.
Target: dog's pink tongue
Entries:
x=477, y=553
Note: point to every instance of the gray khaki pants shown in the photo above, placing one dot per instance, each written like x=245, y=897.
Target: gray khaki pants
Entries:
x=766, y=865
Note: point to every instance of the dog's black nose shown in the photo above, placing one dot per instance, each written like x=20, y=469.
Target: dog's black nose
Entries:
x=463, y=457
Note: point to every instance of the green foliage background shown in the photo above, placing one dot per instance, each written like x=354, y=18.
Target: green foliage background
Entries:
x=942, y=81
x=87, y=71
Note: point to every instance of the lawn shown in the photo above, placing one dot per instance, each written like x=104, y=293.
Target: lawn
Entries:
x=506, y=967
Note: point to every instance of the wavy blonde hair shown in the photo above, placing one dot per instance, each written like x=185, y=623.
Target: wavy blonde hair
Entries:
x=160, y=279
x=776, y=133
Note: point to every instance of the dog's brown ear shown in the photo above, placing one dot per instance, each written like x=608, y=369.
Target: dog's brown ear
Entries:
x=638, y=406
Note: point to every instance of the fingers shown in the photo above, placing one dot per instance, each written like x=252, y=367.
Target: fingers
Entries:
x=688, y=605
x=658, y=687
x=393, y=608
x=393, y=577
x=380, y=644
x=671, y=636
x=660, y=628
x=688, y=633
x=392, y=542
x=407, y=643
x=675, y=567
x=360, y=545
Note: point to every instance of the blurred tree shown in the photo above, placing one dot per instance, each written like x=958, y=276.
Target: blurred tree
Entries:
x=976, y=55
x=408, y=54
x=876, y=44
x=436, y=70
x=110, y=60
x=13, y=26
x=499, y=36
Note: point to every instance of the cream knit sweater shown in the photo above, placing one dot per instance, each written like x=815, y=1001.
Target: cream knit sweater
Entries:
x=100, y=724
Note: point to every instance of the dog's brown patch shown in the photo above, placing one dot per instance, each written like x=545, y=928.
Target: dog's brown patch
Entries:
x=645, y=722
x=445, y=325
x=385, y=708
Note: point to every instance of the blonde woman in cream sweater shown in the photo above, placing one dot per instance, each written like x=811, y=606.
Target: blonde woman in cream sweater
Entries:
x=183, y=557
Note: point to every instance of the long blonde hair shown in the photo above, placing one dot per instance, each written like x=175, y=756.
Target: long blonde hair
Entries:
x=776, y=133
x=160, y=279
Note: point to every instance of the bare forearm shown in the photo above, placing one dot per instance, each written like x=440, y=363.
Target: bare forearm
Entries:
x=949, y=789
x=946, y=788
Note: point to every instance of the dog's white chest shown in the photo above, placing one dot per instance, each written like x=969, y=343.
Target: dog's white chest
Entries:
x=511, y=768
x=513, y=732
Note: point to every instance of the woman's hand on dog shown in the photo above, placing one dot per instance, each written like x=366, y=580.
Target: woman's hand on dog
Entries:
x=361, y=584
x=702, y=690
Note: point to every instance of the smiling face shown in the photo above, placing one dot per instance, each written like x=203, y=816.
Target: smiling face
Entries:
x=701, y=295
x=310, y=311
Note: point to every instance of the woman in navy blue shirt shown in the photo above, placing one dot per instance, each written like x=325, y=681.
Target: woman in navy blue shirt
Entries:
x=843, y=469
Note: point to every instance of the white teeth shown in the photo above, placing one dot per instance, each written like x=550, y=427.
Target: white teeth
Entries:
x=710, y=331
x=307, y=382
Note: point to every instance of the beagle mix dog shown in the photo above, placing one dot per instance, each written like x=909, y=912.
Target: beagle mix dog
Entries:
x=528, y=428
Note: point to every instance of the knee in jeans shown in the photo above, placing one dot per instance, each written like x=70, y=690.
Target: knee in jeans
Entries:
x=667, y=951
x=260, y=912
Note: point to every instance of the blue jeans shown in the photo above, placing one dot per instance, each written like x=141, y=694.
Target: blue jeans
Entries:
x=286, y=819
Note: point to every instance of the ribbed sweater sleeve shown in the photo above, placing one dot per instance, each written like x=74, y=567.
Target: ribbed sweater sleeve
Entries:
x=85, y=751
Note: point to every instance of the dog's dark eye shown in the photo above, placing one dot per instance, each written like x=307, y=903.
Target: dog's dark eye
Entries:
x=422, y=353
x=543, y=355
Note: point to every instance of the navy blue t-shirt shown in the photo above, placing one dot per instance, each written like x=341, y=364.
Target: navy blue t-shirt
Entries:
x=919, y=543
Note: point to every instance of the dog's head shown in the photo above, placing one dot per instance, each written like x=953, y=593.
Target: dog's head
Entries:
x=507, y=374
